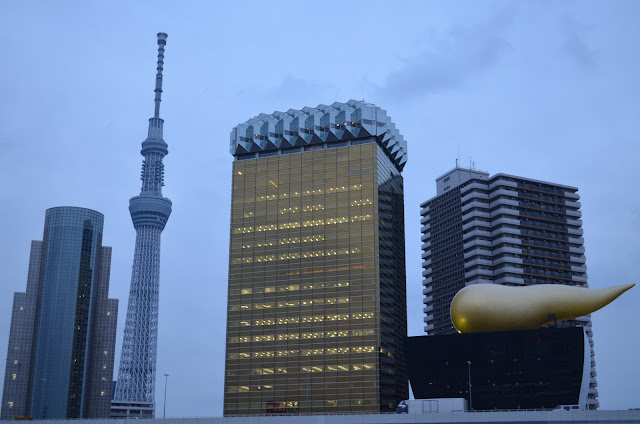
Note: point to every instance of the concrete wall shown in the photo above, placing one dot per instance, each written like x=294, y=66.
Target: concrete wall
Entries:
x=538, y=417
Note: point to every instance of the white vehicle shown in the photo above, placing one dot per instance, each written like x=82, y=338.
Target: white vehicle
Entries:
x=567, y=408
x=428, y=406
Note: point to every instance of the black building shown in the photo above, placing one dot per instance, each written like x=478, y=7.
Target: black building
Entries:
x=529, y=369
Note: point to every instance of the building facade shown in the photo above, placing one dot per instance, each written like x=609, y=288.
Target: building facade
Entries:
x=149, y=213
x=62, y=335
x=502, y=229
x=528, y=369
x=317, y=300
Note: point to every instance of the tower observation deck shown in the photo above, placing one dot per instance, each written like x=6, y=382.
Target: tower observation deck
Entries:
x=149, y=213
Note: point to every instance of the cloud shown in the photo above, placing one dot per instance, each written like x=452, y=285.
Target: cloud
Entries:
x=576, y=48
x=293, y=90
x=452, y=60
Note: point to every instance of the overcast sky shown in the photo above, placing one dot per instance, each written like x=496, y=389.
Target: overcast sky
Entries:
x=548, y=90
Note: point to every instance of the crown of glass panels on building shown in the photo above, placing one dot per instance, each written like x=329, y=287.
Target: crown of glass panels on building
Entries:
x=322, y=124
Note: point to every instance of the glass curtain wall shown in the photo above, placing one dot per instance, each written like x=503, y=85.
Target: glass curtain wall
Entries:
x=72, y=242
x=304, y=330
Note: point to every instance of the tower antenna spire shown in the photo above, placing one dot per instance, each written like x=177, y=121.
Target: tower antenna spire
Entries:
x=149, y=213
x=162, y=40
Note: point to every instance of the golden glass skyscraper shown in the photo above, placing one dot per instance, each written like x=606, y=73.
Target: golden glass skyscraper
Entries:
x=317, y=301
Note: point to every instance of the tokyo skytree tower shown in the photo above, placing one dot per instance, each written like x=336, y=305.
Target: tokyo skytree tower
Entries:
x=149, y=213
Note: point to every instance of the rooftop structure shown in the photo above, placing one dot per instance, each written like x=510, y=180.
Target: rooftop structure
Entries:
x=286, y=132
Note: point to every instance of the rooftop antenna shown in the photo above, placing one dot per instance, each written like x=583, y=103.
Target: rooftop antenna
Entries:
x=457, y=157
x=162, y=40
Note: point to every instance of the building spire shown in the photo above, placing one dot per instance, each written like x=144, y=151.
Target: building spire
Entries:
x=162, y=40
x=155, y=123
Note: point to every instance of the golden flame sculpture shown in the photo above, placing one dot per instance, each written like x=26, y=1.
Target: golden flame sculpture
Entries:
x=494, y=307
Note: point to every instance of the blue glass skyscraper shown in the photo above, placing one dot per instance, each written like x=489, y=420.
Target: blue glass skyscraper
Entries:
x=62, y=336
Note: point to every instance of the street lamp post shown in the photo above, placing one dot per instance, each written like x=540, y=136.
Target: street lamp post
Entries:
x=469, y=368
x=164, y=409
x=44, y=409
x=307, y=403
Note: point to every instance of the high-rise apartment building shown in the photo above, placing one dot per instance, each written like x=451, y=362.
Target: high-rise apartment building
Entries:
x=502, y=229
x=317, y=300
x=63, y=328
x=135, y=387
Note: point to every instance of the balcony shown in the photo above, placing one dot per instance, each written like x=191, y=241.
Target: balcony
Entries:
x=574, y=222
x=504, y=201
x=503, y=192
x=476, y=233
x=505, y=230
x=505, y=220
x=474, y=186
x=507, y=260
x=478, y=271
x=570, y=204
x=509, y=280
x=575, y=231
x=474, y=204
x=478, y=261
x=505, y=211
x=505, y=249
x=502, y=182
x=475, y=223
x=477, y=251
x=475, y=214
x=575, y=213
x=578, y=259
x=572, y=196
x=477, y=242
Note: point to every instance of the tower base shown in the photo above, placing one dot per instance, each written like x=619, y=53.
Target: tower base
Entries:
x=131, y=409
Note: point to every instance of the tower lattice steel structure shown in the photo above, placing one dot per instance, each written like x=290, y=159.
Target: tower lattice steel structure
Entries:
x=149, y=213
